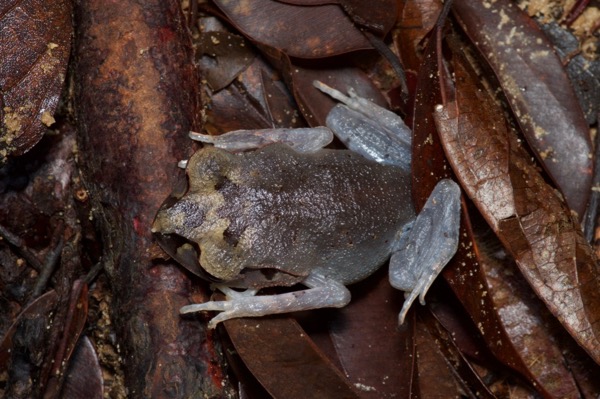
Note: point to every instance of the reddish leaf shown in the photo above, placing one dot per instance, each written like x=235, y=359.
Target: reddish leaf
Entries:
x=464, y=273
x=538, y=90
x=366, y=332
x=286, y=362
x=433, y=366
x=222, y=57
x=35, y=40
x=416, y=20
x=443, y=363
x=303, y=32
x=525, y=212
x=521, y=316
x=429, y=164
x=376, y=15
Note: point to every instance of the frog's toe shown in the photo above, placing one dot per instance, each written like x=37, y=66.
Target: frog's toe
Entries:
x=229, y=309
x=231, y=293
x=428, y=246
x=212, y=324
x=218, y=306
x=420, y=290
x=409, y=298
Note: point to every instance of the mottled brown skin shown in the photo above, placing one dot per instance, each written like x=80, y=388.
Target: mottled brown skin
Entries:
x=270, y=217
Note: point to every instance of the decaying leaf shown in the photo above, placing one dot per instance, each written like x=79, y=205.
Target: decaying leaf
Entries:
x=25, y=345
x=378, y=16
x=222, y=57
x=538, y=90
x=298, y=31
x=35, y=42
x=283, y=358
x=84, y=376
x=529, y=217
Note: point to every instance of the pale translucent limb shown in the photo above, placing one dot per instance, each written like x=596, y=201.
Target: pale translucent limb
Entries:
x=368, y=129
x=322, y=293
x=302, y=140
x=231, y=293
x=431, y=242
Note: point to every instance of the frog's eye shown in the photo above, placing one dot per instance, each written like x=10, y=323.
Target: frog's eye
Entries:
x=208, y=167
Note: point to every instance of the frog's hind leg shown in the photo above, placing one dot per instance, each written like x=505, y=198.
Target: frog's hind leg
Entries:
x=424, y=250
x=323, y=292
x=368, y=129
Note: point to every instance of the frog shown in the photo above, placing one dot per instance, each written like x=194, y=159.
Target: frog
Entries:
x=274, y=208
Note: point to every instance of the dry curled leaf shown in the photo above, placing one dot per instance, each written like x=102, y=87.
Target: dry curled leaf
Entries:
x=465, y=273
x=529, y=217
x=522, y=317
x=538, y=90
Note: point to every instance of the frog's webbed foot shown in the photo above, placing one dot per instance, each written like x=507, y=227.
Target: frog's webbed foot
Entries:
x=432, y=241
x=322, y=292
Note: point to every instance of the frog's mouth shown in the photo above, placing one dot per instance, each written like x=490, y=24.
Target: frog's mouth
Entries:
x=185, y=252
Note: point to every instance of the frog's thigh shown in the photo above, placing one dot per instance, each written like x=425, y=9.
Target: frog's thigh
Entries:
x=431, y=242
x=302, y=140
x=322, y=293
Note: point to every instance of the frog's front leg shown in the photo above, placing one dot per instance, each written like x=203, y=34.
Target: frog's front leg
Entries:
x=322, y=292
x=301, y=140
x=421, y=254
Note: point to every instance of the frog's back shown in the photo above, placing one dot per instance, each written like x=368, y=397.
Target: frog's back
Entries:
x=332, y=210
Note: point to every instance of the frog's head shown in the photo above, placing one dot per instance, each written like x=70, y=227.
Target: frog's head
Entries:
x=188, y=219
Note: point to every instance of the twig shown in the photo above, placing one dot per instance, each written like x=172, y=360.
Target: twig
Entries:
x=21, y=248
x=49, y=267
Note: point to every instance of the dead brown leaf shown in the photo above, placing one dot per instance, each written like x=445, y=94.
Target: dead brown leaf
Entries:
x=35, y=43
